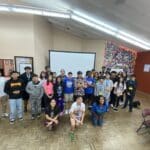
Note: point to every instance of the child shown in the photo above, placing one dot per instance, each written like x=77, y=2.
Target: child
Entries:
x=52, y=115
x=48, y=90
x=98, y=110
x=131, y=90
x=15, y=88
x=79, y=85
x=77, y=113
x=35, y=90
x=3, y=96
x=89, y=87
x=59, y=94
x=119, y=88
x=99, y=87
x=108, y=84
x=68, y=84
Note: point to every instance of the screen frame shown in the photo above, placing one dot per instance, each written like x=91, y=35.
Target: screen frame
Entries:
x=65, y=51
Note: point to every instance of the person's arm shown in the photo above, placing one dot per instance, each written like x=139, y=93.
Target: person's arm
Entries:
x=42, y=92
x=7, y=88
x=82, y=118
x=96, y=90
x=28, y=89
x=48, y=118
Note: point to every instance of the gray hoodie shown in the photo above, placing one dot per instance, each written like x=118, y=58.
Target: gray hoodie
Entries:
x=35, y=90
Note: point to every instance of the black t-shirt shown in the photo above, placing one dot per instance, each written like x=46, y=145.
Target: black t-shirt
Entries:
x=52, y=112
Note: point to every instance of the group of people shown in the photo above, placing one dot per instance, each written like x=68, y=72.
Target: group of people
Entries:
x=64, y=94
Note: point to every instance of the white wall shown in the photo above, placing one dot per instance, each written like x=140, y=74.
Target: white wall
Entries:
x=27, y=35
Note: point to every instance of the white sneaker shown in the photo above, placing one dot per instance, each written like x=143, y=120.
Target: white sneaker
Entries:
x=111, y=105
x=66, y=111
x=6, y=114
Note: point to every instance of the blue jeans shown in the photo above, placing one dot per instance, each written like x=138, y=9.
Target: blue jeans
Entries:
x=15, y=108
x=97, y=119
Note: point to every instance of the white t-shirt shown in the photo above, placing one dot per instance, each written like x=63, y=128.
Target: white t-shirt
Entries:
x=2, y=85
x=77, y=109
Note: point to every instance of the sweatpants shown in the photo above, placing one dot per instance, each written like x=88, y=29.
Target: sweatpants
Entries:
x=35, y=106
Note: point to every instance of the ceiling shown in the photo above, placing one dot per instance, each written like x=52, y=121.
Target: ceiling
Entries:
x=132, y=16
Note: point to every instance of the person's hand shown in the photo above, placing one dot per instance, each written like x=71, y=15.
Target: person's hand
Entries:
x=81, y=122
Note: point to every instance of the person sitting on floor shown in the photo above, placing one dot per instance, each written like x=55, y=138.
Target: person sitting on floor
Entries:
x=52, y=114
x=98, y=110
x=77, y=113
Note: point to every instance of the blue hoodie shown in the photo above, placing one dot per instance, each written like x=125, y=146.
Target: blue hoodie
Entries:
x=99, y=108
x=89, y=89
x=68, y=85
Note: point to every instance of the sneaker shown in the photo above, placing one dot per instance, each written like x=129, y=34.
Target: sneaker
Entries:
x=66, y=111
x=32, y=117
x=21, y=119
x=6, y=114
x=72, y=136
x=50, y=128
x=12, y=122
x=3, y=115
x=115, y=109
x=38, y=116
x=111, y=105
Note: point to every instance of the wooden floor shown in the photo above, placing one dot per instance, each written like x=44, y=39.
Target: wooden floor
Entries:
x=118, y=133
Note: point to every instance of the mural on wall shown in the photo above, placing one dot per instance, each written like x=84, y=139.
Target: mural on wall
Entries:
x=119, y=57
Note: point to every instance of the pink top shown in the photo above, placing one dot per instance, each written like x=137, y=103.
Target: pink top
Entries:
x=48, y=88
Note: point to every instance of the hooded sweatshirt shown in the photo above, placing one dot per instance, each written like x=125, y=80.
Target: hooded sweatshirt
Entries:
x=35, y=90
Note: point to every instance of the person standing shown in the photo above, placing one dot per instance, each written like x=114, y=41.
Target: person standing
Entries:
x=79, y=85
x=108, y=84
x=68, y=85
x=59, y=94
x=15, y=88
x=3, y=96
x=48, y=90
x=119, y=88
x=131, y=85
x=35, y=90
x=89, y=88
x=26, y=77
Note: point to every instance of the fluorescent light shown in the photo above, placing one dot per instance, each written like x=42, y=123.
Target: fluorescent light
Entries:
x=91, y=24
x=56, y=14
x=4, y=8
x=131, y=41
x=101, y=23
x=133, y=37
x=28, y=11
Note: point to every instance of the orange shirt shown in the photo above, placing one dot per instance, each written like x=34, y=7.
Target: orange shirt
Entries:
x=48, y=88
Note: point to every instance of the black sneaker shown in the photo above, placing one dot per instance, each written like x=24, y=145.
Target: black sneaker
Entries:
x=115, y=109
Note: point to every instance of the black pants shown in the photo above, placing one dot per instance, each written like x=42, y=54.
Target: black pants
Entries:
x=117, y=100
x=129, y=98
x=46, y=100
x=112, y=97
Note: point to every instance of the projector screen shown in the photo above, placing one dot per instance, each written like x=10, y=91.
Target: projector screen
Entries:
x=71, y=61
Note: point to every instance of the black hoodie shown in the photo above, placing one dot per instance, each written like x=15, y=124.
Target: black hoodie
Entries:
x=14, y=85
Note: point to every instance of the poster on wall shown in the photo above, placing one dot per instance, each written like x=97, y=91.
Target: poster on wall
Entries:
x=147, y=68
x=21, y=62
x=6, y=66
x=119, y=58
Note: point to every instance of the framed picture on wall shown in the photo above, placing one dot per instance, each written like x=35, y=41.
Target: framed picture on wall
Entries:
x=21, y=62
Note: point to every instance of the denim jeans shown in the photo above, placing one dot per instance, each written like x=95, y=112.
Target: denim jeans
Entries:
x=97, y=119
x=15, y=108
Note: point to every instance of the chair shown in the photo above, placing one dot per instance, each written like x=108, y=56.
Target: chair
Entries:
x=146, y=122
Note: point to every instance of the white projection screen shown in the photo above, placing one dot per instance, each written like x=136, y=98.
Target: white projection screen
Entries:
x=71, y=61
